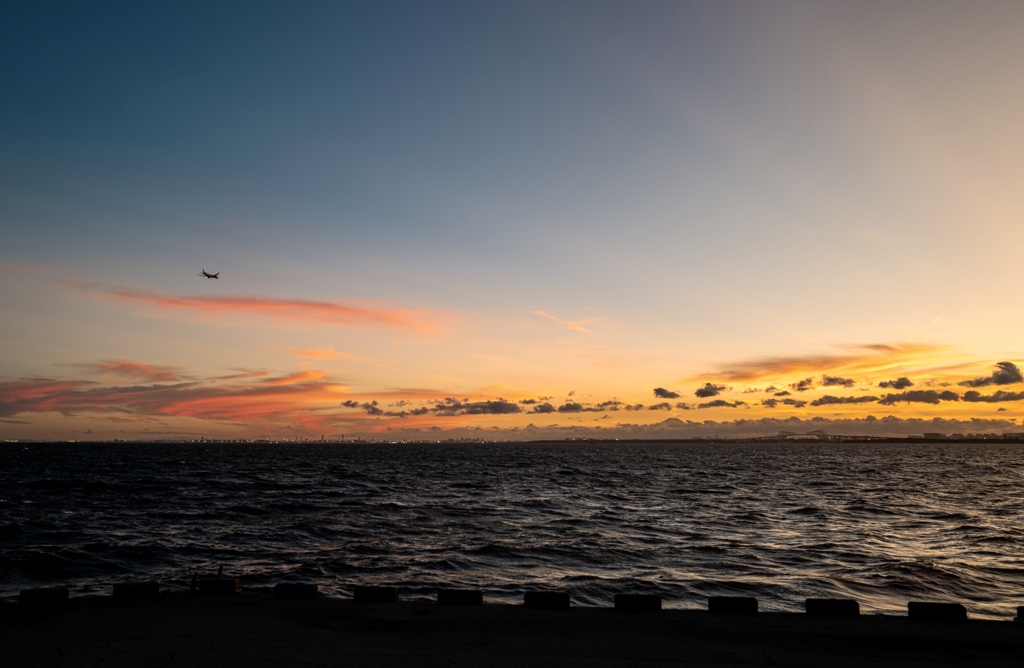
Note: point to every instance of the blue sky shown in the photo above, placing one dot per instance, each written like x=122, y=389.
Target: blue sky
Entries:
x=690, y=185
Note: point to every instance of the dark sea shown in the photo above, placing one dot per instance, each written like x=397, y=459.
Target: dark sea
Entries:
x=881, y=523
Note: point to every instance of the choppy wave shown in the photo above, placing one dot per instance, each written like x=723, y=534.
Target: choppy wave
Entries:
x=879, y=523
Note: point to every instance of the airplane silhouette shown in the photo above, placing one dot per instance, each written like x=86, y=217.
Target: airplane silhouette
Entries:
x=217, y=275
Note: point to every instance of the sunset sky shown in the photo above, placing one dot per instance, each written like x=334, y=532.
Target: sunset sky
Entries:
x=510, y=219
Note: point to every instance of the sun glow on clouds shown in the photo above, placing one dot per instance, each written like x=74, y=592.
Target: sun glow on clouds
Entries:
x=310, y=399
x=862, y=359
x=323, y=353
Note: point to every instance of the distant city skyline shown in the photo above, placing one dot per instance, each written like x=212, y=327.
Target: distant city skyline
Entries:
x=510, y=219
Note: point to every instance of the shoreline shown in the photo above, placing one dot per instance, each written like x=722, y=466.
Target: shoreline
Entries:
x=178, y=628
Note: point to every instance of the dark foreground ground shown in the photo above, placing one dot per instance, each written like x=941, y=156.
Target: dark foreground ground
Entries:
x=179, y=630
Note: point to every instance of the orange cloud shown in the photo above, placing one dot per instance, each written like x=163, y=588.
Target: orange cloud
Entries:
x=280, y=399
x=137, y=370
x=324, y=353
x=864, y=358
x=306, y=398
x=571, y=325
x=35, y=394
x=333, y=313
x=243, y=405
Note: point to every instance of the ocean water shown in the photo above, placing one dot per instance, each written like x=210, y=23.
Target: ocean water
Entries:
x=881, y=523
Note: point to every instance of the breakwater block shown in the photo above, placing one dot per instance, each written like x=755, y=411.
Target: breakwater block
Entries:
x=832, y=607
x=364, y=594
x=637, y=602
x=219, y=586
x=44, y=597
x=296, y=591
x=460, y=597
x=936, y=612
x=136, y=591
x=547, y=600
x=732, y=605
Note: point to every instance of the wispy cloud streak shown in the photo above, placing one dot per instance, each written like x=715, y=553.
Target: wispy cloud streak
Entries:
x=129, y=369
x=564, y=323
x=361, y=315
x=324, y=353
x=864, y=357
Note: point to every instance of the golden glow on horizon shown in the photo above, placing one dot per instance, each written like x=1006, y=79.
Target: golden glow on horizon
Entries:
x=307, y=399
x=507, y=379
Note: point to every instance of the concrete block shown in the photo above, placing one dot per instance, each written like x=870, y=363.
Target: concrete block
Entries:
x=460, y=597
x=219, y=586
x=637, y=602
x=296, y=591
x=44, y=597
x=936, y=612
x=832, y=607
x=135, y=591
x=365, y=594
x=547, y=600
x=732, y=605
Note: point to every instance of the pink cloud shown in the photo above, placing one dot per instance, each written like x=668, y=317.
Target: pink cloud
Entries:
x=307, y=398
x=138, y=370
x=362, y=314
x=37, y=395
x=272, y=400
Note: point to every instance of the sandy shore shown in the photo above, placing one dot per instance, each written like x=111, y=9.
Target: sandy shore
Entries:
x=182, y=630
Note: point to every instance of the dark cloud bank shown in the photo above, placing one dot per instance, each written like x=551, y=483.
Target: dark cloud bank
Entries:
x=772, y=403
x=919, y=396
x=722, y=403
x=803, y=385
x=833, y=381
x=709, y=390
x=829, y=400
x=1006, y=373
x=995, y=397
x=676, y=428
x=447, y=407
